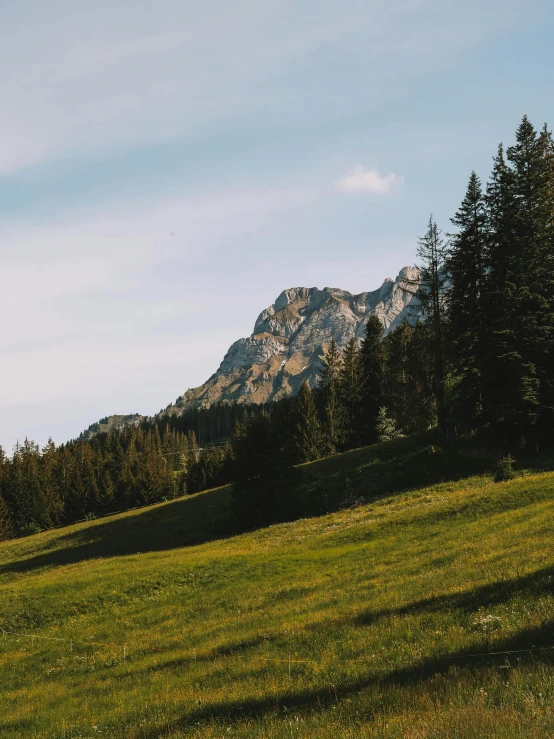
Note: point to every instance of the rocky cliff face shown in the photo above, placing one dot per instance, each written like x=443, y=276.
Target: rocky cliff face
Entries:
x=291, y=336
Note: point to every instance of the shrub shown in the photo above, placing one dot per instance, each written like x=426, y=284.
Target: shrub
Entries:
x=505, y=469
x=31, y=528
x=386, y=427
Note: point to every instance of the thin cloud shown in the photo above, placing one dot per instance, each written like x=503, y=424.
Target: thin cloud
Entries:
x=116, y=290
x=369, y=181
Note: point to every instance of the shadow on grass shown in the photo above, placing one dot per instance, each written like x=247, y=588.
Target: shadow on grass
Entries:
x=184, y=522
x=325, y=486
x=393, y=467
x=532, y=585
x=225, y=650
x=320, y=698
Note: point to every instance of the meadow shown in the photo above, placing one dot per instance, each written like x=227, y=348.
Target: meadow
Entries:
x=418, y=602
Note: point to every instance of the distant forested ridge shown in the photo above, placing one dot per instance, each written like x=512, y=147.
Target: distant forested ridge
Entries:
x=477, y=358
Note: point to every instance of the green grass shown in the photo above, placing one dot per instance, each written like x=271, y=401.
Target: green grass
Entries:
x=381, y=608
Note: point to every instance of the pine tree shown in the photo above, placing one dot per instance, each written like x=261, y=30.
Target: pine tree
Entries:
x=532, y=160
x=308, y=433
x=283, y=418
x=372, y=367
x=386, y=427
x=6, y=526
x=23, y=491
x=257, y=483
x=328, y=395
x=512, y=383
x=431, y=294
x=468, y=328
x=193, y=444
x=406, y=385
x=106, y=493
x=545, y=277
x=351, y=393
x=49, y=480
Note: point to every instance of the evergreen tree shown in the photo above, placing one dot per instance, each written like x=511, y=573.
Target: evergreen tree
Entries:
x=23, y=491
x=468, y=328
x=386, y=427
x=372, y=366
x=406, y=383
x=512, y=384
x=6, y=526
x=532, y=160
x=106, y=493
x=328, y=395
x=351, y=393
x=431, y=294
x=49, y=474
x=308, y=433
x=261, y=477
x=283, y=418
x=545, y=277
x=77, y=501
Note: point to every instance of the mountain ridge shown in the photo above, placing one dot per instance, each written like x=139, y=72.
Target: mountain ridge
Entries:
x=290, y=338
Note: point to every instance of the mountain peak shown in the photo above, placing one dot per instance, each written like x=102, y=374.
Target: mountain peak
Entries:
x=291, y=336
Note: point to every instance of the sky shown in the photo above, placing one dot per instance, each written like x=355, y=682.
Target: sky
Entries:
x=168, y=168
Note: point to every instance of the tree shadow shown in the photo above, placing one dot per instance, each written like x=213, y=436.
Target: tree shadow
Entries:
x=392, y=468
x=237, y=648
x=532, y=585
x=185, y=522
x=538, y=640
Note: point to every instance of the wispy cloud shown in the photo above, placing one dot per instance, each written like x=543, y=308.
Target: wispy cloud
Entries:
x=361, y=180
x=89, y=78
x=113, y=296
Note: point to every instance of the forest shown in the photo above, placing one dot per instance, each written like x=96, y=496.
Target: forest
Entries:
x=476, y=359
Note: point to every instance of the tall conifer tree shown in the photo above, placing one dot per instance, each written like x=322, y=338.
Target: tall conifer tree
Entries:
x=372, y=366
x=328, y=391
x=406, y=388
x=431, y=293
x=512, y=386
x=351, y=392
x=467, y=262
x=6, y=526
x=308, y=433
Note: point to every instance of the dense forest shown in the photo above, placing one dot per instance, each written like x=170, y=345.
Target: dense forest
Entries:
x=477, y=356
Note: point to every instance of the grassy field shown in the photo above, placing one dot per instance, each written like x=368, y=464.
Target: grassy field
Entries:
x=375, y=620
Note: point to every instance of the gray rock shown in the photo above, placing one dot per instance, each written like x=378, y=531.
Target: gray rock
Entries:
x=291, y=336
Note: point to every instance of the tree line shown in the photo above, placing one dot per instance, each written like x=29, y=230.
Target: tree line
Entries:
x=135, y=466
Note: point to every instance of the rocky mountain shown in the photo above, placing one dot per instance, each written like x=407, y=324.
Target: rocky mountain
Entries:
x=291, y=336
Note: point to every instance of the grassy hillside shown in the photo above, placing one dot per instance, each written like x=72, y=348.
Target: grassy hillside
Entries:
x=171, y=625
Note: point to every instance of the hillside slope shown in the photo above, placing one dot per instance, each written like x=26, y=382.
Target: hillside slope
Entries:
x=179, y=628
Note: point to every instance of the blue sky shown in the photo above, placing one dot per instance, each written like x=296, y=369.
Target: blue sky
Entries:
x=167, y=169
